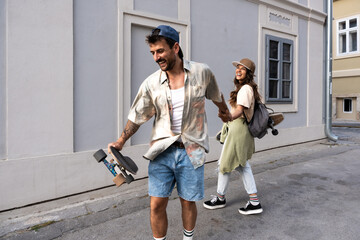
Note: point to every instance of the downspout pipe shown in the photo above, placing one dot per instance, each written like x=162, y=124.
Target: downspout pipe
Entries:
x=328, y=86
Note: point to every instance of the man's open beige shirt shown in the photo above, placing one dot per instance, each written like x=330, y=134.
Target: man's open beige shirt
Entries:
x=154, y=99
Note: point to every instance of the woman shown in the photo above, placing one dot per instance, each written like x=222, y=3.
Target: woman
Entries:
x=238, y=143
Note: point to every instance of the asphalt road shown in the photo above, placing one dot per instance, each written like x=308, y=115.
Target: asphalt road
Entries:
x=308, y=191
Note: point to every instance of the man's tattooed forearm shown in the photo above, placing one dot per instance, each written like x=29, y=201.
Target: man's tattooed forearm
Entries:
x=130, y=129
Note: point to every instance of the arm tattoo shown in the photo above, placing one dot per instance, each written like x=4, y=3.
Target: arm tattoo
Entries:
x=129, y=130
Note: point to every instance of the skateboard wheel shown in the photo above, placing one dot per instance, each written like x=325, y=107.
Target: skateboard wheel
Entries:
x=100, y=155
x=275, y=132
x=129, y=178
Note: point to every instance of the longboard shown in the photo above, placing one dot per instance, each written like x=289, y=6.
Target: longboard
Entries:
x=124, y=163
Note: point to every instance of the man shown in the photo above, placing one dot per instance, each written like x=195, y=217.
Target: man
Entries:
x=175, y=96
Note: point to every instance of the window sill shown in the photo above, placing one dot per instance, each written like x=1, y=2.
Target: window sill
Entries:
x=282, y=107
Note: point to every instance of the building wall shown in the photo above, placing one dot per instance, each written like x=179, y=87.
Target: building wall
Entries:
x=2, y=80
x=218, y=43
x=40, y=100
x=345, y=8
x=346, y=63
x=346, y=67
x=71, y=69
x=95, y=63
x=346, y=85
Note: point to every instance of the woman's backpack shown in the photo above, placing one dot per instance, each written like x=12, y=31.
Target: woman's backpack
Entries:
x=260, y=121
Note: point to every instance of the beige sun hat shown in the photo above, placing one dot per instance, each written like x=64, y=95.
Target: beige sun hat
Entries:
x=250, y=65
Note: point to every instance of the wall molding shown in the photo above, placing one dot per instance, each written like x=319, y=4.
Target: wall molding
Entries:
x=294, y=8
x=346, y=73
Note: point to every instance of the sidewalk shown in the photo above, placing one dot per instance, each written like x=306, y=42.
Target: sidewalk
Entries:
x=346, y=123
x=302, y=188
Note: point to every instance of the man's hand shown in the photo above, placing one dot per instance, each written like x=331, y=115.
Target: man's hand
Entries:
x=224, y=113
x=225, y=116
x=118, y=145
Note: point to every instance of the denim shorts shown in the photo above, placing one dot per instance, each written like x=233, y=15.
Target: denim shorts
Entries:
x=174, y=166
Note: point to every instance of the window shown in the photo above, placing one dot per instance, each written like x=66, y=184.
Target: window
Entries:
x=348, y=35
x=347, y=105
x=279, y=69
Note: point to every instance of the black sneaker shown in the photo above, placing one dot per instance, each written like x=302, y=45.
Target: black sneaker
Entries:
x=250, y=209
x=214, y=203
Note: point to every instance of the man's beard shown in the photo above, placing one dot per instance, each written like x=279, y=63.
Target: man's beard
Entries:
x=169, y=64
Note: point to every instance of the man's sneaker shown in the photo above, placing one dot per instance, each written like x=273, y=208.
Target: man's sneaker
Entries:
x=251, y=209
x=214, y=203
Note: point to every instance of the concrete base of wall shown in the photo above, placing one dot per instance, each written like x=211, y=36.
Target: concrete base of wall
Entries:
x=32, y=180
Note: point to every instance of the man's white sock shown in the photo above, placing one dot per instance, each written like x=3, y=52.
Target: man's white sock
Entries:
x=162, y=238
x=188, y=235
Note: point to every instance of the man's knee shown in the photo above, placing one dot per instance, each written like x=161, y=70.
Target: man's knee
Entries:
x=157, y=204
x=187, y=204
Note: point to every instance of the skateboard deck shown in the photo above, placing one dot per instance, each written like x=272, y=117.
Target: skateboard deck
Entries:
x=277, y=118
x=123, y=163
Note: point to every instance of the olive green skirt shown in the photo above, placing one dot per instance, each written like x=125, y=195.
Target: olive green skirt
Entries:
x=238, y=146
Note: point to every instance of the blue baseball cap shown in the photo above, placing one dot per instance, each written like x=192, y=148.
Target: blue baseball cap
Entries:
x=167, y=31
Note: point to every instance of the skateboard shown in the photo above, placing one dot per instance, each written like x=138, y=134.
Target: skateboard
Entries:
x=123, y=163
x=275, y=119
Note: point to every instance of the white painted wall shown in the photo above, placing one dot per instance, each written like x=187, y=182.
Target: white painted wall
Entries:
x=40, y=78
x=2, y=80
x=71, y=67
x=315, y=62
x=95, y=73
x=39, y=103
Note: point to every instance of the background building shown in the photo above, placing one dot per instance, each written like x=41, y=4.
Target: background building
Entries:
x=69, y=70
x=346, y=60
